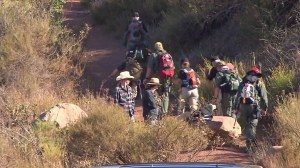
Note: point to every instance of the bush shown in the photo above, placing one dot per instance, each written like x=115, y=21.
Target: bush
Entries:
x=286, y=128
x=108, y=137
x=282, y=81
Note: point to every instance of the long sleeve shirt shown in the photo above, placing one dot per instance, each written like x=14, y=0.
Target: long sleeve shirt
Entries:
x=125, y=98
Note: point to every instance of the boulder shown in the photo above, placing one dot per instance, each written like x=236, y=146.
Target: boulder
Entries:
x=225, y=125
x=64, y=114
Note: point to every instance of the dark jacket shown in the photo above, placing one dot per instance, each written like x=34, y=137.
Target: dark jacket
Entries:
x=150, y=105
x=212, y=73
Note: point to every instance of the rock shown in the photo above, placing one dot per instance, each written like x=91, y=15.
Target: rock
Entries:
x=225, y=125
x=64, y=114
x=275, y=150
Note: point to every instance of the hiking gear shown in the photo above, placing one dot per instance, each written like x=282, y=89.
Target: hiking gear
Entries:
x=134, y=67
x=191, y=80
x=166, y=65
x=140, y=88
x=230, y=82
x=124, y=75
x=248, y=93
x=153, y=81
x=135, y=29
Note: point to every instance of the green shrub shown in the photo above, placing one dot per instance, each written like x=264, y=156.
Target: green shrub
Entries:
x=108, y=137
x=282, y=80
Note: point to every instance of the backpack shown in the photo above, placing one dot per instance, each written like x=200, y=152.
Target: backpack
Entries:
x=166, y=65
x=248, y=93
x=135, y=29
x=230, y=82
x=191, y=80
x=134, y=68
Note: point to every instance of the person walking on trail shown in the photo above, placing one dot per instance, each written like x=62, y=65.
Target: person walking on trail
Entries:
x=123, y=94
x=227, y=82
x=217, y=95
x=151, y=101
x=135, y=34
x=211, y=74
x=160, y=64
x=189, y=81
x=135, y=63
x=251, y=104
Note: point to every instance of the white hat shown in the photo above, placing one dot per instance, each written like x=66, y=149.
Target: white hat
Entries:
x=124, y=75
x=153, y=81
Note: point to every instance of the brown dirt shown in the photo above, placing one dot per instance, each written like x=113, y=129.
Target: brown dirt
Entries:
x=104, y=54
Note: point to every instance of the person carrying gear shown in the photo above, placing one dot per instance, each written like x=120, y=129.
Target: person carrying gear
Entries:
x=211, y=74
x=189, y=87
x=251, y=104
x=217, y=98
x=160, y=64
x=227, y=83
x=151, y=101
x=135, y=34
x=123, y=94
x=135, y=63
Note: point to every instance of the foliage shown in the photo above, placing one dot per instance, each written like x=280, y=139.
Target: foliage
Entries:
x=108, y=137
x=286, y=119
x=282, y=80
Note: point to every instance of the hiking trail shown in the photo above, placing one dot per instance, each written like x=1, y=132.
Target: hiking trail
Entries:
x=105, y=53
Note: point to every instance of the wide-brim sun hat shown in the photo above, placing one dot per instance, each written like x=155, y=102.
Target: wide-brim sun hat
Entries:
x=256, y=71
x=124, y=75
x=154, y=81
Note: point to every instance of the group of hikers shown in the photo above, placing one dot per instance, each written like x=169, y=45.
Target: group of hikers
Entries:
x=149, y=75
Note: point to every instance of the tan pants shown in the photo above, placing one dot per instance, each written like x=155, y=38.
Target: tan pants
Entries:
x=190, y=97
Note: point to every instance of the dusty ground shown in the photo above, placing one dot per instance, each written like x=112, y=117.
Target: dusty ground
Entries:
x=104, y=54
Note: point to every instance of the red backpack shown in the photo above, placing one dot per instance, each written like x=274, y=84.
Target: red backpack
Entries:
x=166, y=65
x=191, y=80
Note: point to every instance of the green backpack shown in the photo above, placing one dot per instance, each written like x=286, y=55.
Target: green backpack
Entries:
x=134, y=67
x=230, y=82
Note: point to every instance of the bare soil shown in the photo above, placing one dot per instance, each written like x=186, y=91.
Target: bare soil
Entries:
x=104, y=54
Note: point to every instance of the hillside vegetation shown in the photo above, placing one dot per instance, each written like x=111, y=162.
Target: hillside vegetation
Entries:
x=245, y=32
x=41, y=64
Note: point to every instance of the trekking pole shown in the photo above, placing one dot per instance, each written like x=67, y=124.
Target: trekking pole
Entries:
x=140, y=88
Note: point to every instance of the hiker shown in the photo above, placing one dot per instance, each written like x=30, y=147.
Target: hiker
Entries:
x=189, y=87
x=217, y=95
x=135, y=62
x=251, y=104
x=161, y=65
x=227, y=82
x=123, y=94
x=135, y=34
x=151, y=101
x=211, y=74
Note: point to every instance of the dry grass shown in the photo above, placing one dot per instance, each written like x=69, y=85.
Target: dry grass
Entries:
x=287, y=131
x=108, y=137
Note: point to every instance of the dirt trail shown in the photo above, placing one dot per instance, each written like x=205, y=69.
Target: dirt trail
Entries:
x=105, y=53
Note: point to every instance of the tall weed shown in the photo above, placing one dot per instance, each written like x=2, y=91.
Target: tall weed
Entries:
x=108, y=137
